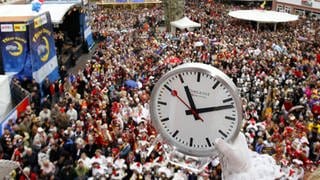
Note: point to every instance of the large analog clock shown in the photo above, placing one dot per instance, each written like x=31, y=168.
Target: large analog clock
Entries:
x=194, y=104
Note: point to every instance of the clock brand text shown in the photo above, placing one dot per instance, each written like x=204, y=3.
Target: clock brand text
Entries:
x=199, y=93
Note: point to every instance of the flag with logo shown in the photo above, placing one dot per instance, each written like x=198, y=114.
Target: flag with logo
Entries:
x=86, y=30
x=42, y=49
x=14, y=49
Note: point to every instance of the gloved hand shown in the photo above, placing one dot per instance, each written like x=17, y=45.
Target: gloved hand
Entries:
x=238, y=162
x=235, y=156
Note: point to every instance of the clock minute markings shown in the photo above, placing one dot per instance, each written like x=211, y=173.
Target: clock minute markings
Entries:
x=198, y=76
x=164, y=119
x=168, y=88
x=227, y=100
x=181, y=78
x=222, y=133
x=216, y=85
x=230, y=118
x=163, y=103
x=175, y=133
x=208, y=142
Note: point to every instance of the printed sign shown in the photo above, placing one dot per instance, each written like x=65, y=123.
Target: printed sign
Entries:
x=20, y=27
x=42, y=47
x=6, y=28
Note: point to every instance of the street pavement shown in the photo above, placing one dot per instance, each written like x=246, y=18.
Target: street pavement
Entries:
x=82, y=61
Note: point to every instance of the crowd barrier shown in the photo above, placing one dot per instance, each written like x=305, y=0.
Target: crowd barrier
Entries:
x=20, y=100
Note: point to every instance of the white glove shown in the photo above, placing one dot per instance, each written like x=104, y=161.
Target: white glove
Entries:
x=234, y=156
x=240, y=163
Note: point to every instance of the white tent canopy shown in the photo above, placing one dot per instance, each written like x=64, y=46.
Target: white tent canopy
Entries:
x=263, y=16
x=184, y=23
x=57, y=11
x=5, y=96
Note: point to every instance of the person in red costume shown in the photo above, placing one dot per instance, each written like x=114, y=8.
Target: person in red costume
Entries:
x=28, y=174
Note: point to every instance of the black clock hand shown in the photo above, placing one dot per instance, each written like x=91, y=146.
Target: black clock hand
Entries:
x=175, y=94
x=210, y=109
x=191, y=102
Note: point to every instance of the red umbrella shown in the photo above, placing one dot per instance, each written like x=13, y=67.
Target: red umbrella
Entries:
x=173, y=60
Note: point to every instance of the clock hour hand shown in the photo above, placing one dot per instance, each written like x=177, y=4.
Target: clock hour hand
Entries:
x=210, y=109
x=191, y=102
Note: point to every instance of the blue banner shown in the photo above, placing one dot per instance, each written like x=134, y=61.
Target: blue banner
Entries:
x=86, y=30
x=42, y=49
x=14, y=49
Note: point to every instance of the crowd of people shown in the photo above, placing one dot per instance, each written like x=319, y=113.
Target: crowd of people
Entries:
x=96, y=123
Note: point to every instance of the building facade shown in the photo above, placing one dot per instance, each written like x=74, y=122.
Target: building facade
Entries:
x=308, y=8
x=174, y=10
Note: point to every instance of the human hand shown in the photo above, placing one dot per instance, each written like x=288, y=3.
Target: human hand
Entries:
x=238, y=162
x=235, y=156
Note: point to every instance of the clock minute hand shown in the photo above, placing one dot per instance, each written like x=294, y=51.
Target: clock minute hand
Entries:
x=210, y=109
x=191, y=102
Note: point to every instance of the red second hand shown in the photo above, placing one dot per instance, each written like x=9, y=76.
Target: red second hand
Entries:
x=175, y=93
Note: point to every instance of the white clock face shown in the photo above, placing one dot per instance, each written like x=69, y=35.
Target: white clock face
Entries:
x=191, y=107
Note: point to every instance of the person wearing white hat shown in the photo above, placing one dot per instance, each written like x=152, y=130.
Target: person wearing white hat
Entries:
x=136, y=167
x=180, y=175
x=164, y=172
x=296, y=171
x=99, y=157
x=39, y=139
x=296, y=143
x=98, y=170
x=147, y=171
x=305, y=149
x=28, y=174
x=72, y=113
x=249, y=137
x=120, y=163
x=285, y=168
x=47, y=169
x=86, y=160
x=118, y=174
x=142, y=150
x=45, y=113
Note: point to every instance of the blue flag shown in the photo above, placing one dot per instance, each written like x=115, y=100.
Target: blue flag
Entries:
x=14, y=49
x=42, y=49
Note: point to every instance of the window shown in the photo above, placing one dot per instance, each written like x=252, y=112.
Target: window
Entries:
x=299, y=12
x=280, y=8
x=287, y=9
x=315, y=16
